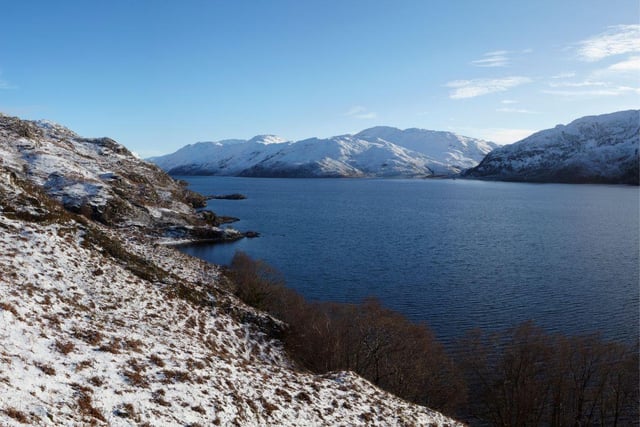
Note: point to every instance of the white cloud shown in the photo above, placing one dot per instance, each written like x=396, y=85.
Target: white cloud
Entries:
x=586, y=83
x=496, y=58
x=564, y=75
x=360, y=112
x=516, y=110
x=604, y=91
x=617, y=40
x=477, y=87
x=632, y=64
x=508, y=101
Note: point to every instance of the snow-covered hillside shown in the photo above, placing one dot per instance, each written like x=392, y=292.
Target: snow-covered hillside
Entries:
x=379, y=152
x=456, y=152
x=101, y=325
x=596, y=149
x=102, y=180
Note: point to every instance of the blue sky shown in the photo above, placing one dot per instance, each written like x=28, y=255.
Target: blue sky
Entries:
x=156, y=75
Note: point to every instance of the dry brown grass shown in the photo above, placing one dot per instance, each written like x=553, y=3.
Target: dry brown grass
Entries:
x=17, y=415
x=10, y=308
x=85, y=405
x=47, y=369
x=64, y=347
x=156, y=360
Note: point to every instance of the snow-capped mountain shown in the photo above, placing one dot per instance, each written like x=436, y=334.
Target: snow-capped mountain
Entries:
x=100, y=324
x=592, y=149
x=455, y=151
x=377, y=152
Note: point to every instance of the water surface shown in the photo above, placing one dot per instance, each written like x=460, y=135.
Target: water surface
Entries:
x=457, y=254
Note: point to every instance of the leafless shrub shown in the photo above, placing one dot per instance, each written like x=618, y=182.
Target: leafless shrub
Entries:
x=194, y=364
x=10, y=308
x=113, y=346
x=284, y=394
x=156, y=360
x=84, y=364
x=17, y=415
x=135, y=375
x=199, y=409
x=267, y=406
x=64, y=347
x=85, y=405
x=126, y=410
x=158, y=397
x=135, y=345
x=375, y=342
x=96, y=381
x=525, y=376
x=175, y=376
x=47, y=369
x=89, y=336
x=303, y=396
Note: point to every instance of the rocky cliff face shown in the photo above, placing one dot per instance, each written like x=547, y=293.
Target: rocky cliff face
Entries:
x=594, y=149
x=101, y=325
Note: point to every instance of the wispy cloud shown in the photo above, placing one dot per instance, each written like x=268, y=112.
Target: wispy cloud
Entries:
x=508, y=101
x=360, y=112
x=516, y=110
x=595, y=92
x=632, y=64
x=598, y=83
x=616, y=40
x=567, y=75
x=496, y=58
x=477, y=87
x=586, y=83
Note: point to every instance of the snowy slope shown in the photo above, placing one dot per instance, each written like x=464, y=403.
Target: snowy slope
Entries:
x=100, y=179
x=597, y=149
x=380, y=152
x=456, y=152
x=100, y=325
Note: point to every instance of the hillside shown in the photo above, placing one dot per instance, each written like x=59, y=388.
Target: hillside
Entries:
x=102, y=325
x=593, y=149
x=375, y=152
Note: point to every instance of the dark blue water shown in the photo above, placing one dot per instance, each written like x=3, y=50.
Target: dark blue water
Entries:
x=456, y=254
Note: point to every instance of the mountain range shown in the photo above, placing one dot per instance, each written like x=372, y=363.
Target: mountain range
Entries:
x=376, y=152
x=592, y=149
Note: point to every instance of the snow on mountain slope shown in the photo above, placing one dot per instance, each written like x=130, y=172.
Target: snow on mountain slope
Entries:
x=341, y=156
x=456, y=152
x=597, y=149
x=100, y=325
x=382, y=152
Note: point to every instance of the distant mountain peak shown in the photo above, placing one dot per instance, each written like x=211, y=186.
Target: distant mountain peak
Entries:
x=267, y=139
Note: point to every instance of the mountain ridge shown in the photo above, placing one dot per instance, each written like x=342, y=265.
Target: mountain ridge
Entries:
x=380, y=151
x=591, y=149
